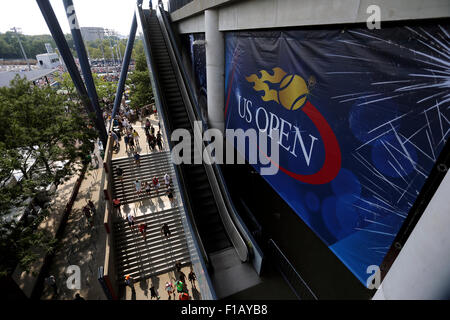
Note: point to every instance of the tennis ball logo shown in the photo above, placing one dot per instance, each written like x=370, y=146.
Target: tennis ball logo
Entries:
x=292, y=90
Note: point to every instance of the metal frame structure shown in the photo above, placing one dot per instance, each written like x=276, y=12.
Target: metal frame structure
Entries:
x=85, y=67
x=66, y=54
x=125, y=64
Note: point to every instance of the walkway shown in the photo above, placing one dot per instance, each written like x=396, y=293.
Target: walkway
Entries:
x=81, y=245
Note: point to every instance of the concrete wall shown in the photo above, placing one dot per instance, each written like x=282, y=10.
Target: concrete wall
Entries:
x=257, y=14
x=422, y=269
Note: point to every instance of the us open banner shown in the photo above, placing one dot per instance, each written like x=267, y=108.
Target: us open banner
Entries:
x=362, y=117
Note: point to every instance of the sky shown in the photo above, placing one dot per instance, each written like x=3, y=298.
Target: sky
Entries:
x=110, y=14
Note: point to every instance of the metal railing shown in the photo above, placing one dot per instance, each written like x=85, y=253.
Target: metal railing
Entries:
x=290, y=275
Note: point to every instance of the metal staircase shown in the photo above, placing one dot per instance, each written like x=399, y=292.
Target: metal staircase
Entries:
x=143, y=259
x=134, y=256
x=153, y=164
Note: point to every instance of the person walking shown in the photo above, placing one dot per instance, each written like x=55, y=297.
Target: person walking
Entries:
x=131, y=142
x=88, y=215
x=153, y=293
x=184, y=296
x=152, y=130
x=51, y=281
x=125, y=123
x=92, y=207
x=131, y=220
x=143, y=230
x=182, y=277
x=129, y=281
x=148, y=189
x=116, y=139
x=180, y=286
x=126, y=139
x=178, y=266
x=169, y=289
x=192, y=277
x=119, y=173
x=136, y=138
x=165, y=230
x=137, y=159
x=116, y=205
x=156, y=185
x=159, y=141
x=151, y=142
x=167, y=180
x=138, y=187
x=169, y=194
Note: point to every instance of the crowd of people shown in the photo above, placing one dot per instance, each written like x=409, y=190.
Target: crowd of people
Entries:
x=122, y=127
x=173, y=286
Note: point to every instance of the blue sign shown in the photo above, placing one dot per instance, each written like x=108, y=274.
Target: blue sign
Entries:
x=362, y=116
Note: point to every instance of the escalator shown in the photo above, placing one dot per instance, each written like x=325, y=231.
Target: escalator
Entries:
x=231, y=260
x=202, y=201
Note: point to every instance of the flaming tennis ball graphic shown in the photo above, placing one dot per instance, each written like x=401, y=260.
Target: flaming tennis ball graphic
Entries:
x=292, y=91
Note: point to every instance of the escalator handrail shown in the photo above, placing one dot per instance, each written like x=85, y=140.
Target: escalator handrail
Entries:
x=281, y=258
x=222, y=198
x=183, y=187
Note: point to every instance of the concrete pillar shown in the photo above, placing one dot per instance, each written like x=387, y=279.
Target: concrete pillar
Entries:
x=215, y=69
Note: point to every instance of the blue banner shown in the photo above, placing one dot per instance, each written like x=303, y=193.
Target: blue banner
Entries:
x=362, y=115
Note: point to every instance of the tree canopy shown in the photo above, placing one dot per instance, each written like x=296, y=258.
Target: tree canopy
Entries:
x=33, y=45
x=43, y=136
x=141, y=92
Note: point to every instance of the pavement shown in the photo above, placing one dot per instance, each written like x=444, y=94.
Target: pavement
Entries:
x=83, y=246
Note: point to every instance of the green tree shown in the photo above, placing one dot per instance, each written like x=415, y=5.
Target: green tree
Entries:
x=43, y=135
x=106, y=90
x=141, y=93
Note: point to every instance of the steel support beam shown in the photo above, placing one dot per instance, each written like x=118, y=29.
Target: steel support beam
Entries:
x=125, y=64
x=85, y=68
x=66, y=54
